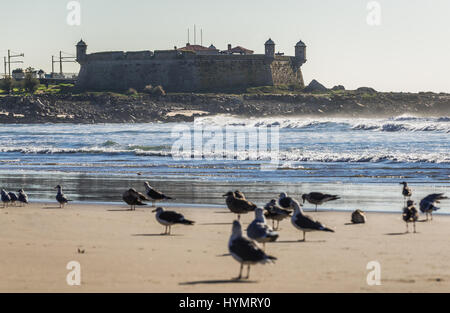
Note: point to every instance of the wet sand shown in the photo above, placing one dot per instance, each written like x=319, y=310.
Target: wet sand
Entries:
x=124, y=252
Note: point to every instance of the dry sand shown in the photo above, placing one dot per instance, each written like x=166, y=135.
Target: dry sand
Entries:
x=125, y=253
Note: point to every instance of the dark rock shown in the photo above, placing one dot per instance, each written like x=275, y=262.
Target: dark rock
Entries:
x=338, y=88
x=315, y=86
x=366, y=90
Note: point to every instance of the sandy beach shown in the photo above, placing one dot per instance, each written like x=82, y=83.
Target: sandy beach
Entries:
x=125, y=253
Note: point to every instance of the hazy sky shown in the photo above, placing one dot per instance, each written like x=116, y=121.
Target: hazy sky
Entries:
x=409, y=51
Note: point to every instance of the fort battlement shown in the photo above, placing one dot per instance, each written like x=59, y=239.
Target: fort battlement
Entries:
x=187, y=71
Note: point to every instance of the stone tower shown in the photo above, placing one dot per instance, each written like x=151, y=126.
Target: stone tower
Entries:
x=81, y=51
x=300, y=52
x=270, y=48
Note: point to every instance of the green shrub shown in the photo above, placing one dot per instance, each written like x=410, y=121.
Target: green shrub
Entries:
x=7, y=84
x=30, y=84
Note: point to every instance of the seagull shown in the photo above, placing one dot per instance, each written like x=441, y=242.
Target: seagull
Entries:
x=155, y=195
x=428, y=204
x=407, y=192
x=237, y=205
x=359, y=217
x=168, y=219
x=318, y=198
x=246, y=251
x=6, y=199
x=275, y=213
x=61, y=198
x=13, y=197
x=285, y=201
x=410, y=215
x=23, y=198
x=133, y=198
x=259, y=231
x=305, y=223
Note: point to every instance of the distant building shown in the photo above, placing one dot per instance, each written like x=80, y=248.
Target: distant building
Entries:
x=199, y=49
x=237, y=50
x=193, y=68
x=18, y=74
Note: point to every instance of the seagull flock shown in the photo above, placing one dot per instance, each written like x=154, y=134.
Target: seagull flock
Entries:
x=246, y=250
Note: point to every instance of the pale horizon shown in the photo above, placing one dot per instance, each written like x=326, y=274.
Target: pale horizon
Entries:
x=407, y=52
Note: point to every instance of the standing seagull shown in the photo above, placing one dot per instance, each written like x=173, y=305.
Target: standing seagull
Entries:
x=428, y=204
x=246, y=251
x=13, y=197
x=237, y=205
x=275, y=213
x=6, y=199
x=410, y=215
x=23, y=198
x=133, y=198
x=285, y=201
x=407, y=192
x=259, y=231
x=61, y=198
x=155, y=195
x=305, y=223
x=318, y=198
x=168, y=219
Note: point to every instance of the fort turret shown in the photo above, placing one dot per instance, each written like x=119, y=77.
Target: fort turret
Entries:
x=81, y=51
x=300, y=52
x=270, y=48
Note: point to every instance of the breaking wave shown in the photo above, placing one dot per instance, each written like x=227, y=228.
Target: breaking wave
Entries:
x=395, y=124
x=296, y=155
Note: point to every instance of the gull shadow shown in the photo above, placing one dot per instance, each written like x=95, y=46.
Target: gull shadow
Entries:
x=217, y=282
x=224, y=255
x=120, y=210
x=156, y=235
x=298, y=241
x=353, y=224
x=215, y=224
x=52, y=208
x=222, y=212
x=397, y=234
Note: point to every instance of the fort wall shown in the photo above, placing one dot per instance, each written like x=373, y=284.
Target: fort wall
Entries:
x=185, y=71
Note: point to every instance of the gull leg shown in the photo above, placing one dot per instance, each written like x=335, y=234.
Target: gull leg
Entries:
x=316, y=208
x=407, y=228
x=248, y=272
x=170, y=230
x=304, y=237
x=415, y=232
x=273, y=224
x=240, y=272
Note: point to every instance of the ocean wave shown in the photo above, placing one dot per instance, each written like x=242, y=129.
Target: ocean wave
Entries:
x=395, y=124
x=286, y=157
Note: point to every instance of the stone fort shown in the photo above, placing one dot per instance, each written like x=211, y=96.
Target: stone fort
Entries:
x=193, y=68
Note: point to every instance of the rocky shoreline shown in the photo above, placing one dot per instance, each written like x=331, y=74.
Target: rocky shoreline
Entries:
x=114, y=108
